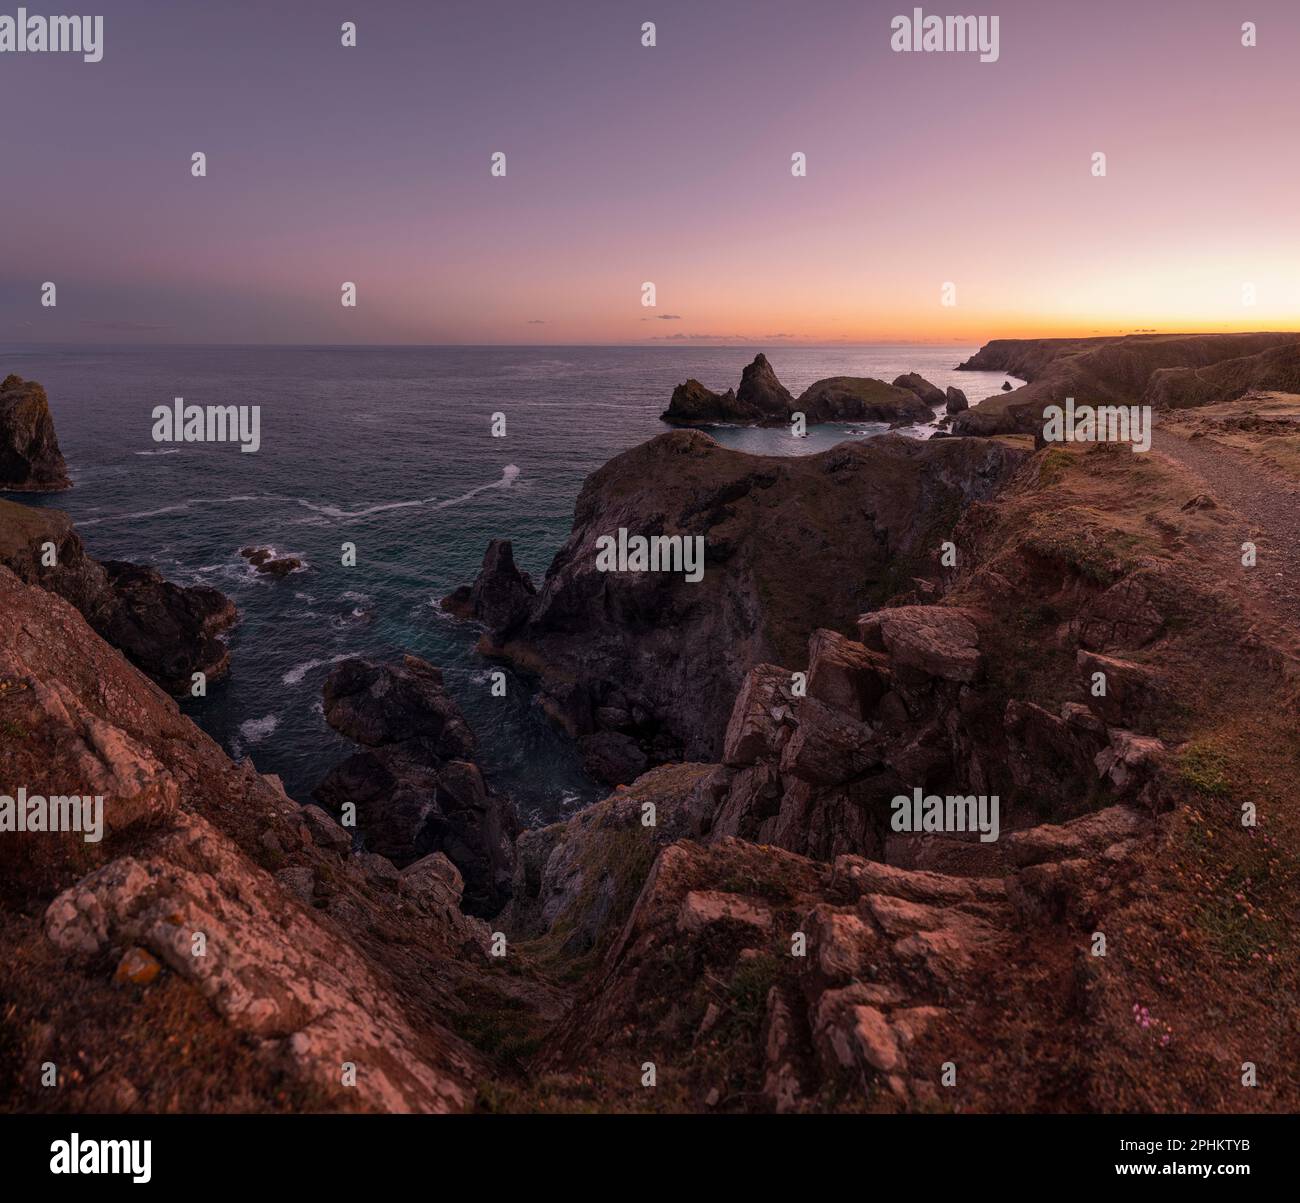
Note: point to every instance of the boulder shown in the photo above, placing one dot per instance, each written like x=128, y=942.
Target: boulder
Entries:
x=955, y=401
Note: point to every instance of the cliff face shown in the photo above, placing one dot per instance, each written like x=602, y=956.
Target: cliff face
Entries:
x=30, y=459
x=755, y=927
x=1100, y=371
x=643, y=667
x=167, y=631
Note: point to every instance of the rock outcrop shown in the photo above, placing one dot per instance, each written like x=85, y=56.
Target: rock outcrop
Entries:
x=213, y=913
x=30, y=459
x=414, y=785
x=763, y=401
x=501, y=596
x=168, y=631
x=955, y=401
x=643, y=667
x=931, y=394
x=861, y=399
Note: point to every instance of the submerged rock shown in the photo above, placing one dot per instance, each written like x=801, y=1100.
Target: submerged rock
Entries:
x=267, y=562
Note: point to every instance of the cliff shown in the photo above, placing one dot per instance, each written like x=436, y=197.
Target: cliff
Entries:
x=1099, y=371
x=643, y=667
x=754, y=927
x=168, y=631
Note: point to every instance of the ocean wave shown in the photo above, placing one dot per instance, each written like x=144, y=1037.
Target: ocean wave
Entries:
x=298, y=674
x=179, y=508
x=161, y=451
x=509, y=474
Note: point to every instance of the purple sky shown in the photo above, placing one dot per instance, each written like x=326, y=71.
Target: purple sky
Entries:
x=669, y=165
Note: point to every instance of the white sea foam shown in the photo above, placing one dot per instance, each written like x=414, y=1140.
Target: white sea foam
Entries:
x=257, y=729
x=179, y=508
x=298, y=674
x=509, y=474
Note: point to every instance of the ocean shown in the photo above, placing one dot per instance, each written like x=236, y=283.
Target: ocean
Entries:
x=389, y=448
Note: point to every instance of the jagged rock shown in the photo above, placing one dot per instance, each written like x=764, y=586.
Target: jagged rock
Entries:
x=782, y=1087
x=760, y=720
x=1133, y=693
x=578, y=878
x=692, y=403
x=501, y=596
x=268, y=969
x=1130, y=758
x=30, y=459
x=415, y=787
x=790, y=544
x=845, y=674
x=937, y=641
x=828, y=747
x=612, y=756
x=704, y=908
x=913, y=382
x=761, y=400
x=378, y=704
x=167, y=631
x=761, y=392
x=326, y=832
x=955, y=401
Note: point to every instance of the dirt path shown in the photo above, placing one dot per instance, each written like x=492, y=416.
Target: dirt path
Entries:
x=1269, y=507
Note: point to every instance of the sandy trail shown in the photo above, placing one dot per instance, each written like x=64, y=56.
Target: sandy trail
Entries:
x=1269, y=507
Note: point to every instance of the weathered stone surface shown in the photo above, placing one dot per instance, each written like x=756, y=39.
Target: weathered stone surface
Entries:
x=266, y=968
x=938, y=641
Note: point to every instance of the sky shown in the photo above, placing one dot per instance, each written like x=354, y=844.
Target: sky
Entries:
x=669, y=165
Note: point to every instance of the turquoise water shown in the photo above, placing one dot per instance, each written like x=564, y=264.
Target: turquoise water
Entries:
x=390, y=449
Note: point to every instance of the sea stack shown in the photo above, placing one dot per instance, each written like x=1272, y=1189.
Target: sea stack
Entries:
x=30, y=459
